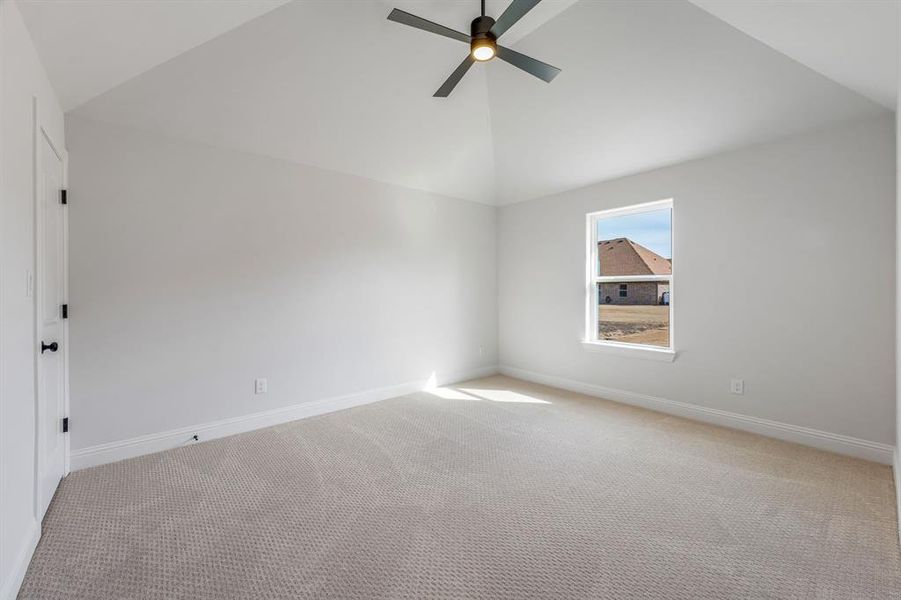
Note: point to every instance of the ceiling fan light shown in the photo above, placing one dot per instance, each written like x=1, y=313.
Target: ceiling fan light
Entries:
x=484, y=49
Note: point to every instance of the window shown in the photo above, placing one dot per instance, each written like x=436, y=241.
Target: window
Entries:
x=630, y=277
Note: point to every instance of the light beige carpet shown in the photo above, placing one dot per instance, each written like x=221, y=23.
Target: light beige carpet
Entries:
x=498, y=489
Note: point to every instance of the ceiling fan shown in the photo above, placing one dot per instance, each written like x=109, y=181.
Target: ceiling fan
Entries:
x=482, y=42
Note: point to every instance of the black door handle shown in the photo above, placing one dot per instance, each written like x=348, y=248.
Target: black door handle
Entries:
x=52, y=346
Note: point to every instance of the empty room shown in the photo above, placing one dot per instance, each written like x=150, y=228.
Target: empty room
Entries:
x=452, y=299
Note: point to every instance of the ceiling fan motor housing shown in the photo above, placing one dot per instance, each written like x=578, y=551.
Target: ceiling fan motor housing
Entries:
x=483, y=47
x=480, y=30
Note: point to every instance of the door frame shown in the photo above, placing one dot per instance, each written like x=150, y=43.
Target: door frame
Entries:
x=41, y=135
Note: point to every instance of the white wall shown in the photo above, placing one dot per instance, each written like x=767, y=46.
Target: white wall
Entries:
x=897, y=461
x=22, y=80
x=194, y=270
x=785, y=276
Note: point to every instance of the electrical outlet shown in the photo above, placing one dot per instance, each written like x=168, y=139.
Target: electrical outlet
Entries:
x=481, y=351
x=737, y=386
x=260, y=386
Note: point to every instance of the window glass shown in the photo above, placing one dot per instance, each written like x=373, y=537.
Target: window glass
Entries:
x=635, y=244
x=644, y=322
x=633, y=271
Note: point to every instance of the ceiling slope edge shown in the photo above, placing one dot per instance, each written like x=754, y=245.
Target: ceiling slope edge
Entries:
x=74, y=119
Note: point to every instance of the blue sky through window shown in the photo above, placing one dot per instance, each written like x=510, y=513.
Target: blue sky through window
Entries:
x=652, y=229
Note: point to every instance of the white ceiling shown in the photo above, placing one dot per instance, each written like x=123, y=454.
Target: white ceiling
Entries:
x=90, y=46
x=854, y=42
x=334, y=84
x=285, y=86
x=646, y=84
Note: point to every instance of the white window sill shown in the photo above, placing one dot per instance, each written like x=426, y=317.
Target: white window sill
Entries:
x=631, y=350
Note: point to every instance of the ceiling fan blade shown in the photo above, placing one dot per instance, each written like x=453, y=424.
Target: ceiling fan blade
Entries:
x=406, y=18
x=528, y=64
x=448, y=86
x=514, y=12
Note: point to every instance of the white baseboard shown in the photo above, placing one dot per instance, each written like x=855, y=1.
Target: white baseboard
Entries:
x=10, y=588
x=165, y=440
x=824, y=440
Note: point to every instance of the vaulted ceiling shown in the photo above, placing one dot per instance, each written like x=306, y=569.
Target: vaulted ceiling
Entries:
x=90, y=46
x=335, y=85
x=854, y=42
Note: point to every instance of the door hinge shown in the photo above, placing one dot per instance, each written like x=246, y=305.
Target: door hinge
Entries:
x=65, y=311
x=63, y=197
x=65, y=424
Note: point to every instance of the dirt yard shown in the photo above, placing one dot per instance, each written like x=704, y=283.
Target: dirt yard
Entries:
x=634, y=324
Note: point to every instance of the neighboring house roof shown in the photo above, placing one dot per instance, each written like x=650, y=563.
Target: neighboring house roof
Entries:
x=622, y=256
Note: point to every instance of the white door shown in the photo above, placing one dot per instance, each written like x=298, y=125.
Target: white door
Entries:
x=51, y=289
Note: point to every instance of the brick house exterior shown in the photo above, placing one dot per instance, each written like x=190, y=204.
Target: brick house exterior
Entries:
x=623, y=257
x=635, y=292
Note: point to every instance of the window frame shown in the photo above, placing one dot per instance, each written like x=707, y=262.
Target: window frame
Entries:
x=592, y=341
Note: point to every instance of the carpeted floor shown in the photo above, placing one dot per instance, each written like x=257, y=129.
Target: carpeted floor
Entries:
x=493, y=489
